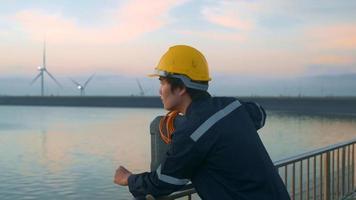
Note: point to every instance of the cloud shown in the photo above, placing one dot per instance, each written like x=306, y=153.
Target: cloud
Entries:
x=4, y=33
x=227, y=21
x=333, y=37
x=334, y=59
x=237, y=15
x=329, y=63
x=254, y=62
x=330, y=48
x=74, y=46
x=215, y=35
x=127, y=22
x=252, y=37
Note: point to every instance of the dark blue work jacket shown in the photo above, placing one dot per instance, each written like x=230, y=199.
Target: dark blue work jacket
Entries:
x=217, y=148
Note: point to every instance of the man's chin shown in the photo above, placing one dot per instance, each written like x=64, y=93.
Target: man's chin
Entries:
x=167, y=108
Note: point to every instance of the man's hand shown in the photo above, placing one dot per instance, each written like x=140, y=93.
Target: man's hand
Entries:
x=122, y=176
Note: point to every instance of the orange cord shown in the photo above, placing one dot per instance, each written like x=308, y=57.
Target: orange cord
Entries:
x=168, y=122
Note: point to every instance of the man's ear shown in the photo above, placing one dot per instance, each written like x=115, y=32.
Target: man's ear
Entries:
x=181, y=91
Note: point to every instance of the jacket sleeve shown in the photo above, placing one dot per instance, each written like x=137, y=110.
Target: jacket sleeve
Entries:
x=257, y=114
x=182, y=159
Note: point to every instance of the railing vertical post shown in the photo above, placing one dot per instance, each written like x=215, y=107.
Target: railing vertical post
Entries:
x=343, y=171
x=301, y=180
x=321, y=176
x=353, y=167
x=308, y=178
x=333, y=174
x=348, y=168
x=286, y=175
x=338, y=173
x=314, y=178
x=293, y=181
x=327, y=176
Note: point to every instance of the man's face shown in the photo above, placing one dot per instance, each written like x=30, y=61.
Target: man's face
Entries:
x=170, y=99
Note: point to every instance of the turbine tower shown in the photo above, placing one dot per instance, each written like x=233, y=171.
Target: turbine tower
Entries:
x=43, y=70
x=82, y=87
x=142, y=92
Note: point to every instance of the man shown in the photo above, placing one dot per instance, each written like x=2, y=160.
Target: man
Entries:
x=216, y=147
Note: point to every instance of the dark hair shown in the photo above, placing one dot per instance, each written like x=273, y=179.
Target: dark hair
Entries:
x=193, y=93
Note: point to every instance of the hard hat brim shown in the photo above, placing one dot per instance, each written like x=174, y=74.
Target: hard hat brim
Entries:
x=187, y=81
x=153, y=75
x=158, y=73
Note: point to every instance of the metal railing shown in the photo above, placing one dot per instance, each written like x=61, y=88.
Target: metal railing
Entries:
x=327, y=173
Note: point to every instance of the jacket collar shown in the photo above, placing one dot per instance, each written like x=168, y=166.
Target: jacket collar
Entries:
x=196, y=103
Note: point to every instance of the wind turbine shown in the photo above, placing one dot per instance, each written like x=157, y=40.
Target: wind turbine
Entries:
x=43, y=70
x=142, y=92
x=82, y=87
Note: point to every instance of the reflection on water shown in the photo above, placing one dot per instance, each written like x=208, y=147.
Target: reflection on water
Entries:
x=72, y=153
x=288, y=134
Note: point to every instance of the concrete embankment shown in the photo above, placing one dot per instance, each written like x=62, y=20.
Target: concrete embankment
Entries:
x=308, y=105
x=87, y=101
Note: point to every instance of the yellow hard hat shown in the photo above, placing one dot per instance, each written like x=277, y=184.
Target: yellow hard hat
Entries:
x=187, y=61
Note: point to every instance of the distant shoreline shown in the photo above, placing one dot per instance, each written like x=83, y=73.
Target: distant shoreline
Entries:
x=302, y=105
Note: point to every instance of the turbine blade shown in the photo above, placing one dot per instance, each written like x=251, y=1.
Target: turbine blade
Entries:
x=50, y=75
x=34, y=80
x=89, y=79
x=75, y=82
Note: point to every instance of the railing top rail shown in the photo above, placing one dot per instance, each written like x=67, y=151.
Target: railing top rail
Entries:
x=309, y=154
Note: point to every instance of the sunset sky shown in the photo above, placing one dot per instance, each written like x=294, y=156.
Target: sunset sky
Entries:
x=246, y=38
